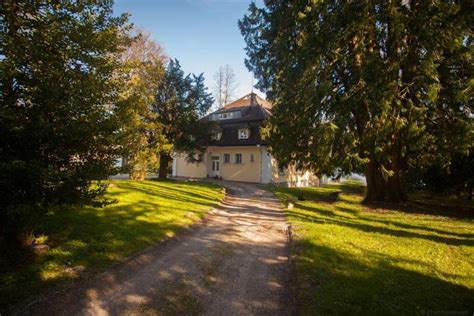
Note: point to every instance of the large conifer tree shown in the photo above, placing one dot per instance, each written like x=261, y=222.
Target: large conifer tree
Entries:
x=181, y=102
x=57, y=90
x=372, y=86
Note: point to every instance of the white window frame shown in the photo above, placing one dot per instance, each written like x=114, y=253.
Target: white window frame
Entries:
x=216, y=135
x=246, y=134
x=226, y=115
x=238, y=161
x=226, y=158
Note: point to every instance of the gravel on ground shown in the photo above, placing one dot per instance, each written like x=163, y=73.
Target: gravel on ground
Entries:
x=235, y=262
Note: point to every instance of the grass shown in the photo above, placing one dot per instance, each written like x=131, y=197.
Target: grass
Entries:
x=354, y=259
x=88, y=239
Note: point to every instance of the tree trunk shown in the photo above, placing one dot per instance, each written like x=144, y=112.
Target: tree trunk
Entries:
x=395, y=190
x=164, y=161
x=469, y=190
x=380, y=189
x=3, y=244
x=375, y=183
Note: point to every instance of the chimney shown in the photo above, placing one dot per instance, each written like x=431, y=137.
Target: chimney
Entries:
x=253, y=99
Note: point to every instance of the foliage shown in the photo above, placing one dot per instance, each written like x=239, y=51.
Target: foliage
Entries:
x=57, y=65
x=351, y=259
x=182, y=100
x=141, y=134
x=374, y=86
x=88, y=239
x=225, y=85
x=456, y=179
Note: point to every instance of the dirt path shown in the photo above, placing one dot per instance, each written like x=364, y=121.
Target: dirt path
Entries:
x=234, y=263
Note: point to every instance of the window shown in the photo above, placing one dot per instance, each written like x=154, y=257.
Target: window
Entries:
x=216, y=135
x=238, y=158
x=225, y=115
x=226, y=158
x=244, y=133
x=251, y=158
x=200, y=158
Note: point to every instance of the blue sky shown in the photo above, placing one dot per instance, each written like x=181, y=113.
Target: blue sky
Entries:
x=202, y=34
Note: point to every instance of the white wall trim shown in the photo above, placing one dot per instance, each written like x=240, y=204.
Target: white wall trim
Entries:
x=174, y=170
x=266, y=167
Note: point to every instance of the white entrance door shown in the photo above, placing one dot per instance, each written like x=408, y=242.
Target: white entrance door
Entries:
x=215, y=166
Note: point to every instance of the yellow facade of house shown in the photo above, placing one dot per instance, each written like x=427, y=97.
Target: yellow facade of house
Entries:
x=237, y=151
x=241, y=163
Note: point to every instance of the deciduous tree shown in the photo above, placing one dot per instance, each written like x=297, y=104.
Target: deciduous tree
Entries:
x=141, y=134
x=225, y=85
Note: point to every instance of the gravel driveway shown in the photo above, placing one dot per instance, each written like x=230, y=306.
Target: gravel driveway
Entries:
x=233, y=263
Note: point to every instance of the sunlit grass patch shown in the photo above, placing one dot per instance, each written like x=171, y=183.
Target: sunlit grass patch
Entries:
x=88, y=238
x=353, y=258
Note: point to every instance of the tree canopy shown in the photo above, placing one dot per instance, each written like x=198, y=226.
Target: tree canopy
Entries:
x=379, y=87
x=225, y=85
x=57, y=93
x=181, y=101
x=141, y=135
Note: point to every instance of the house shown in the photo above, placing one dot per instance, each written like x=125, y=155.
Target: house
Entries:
x=237, y=152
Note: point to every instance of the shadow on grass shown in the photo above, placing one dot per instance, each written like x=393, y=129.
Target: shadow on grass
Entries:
x=333, y=282
x=432, y=208
x=392, y=260
x=367, y=225
x=87, y=238
x=352, y=192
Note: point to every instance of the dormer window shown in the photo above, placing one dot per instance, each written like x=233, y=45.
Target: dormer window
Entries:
x=244, y=133
x=216, y=135
x=225, y=116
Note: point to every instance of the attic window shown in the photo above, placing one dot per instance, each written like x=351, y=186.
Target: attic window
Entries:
x=244, y=133
x=226, y=115
x=216, y=135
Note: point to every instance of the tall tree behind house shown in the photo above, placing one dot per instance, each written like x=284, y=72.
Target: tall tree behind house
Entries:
x=225, y=85
x=181, y=101
x=141, y=134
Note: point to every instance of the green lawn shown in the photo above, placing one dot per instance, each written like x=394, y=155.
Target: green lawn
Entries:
x=353, y=259
x=88, y=239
